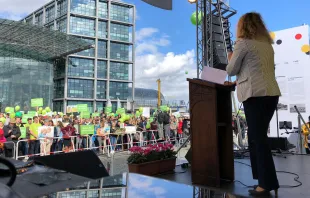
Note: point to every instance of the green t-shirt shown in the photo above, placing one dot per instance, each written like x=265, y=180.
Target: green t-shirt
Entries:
x=34, y=129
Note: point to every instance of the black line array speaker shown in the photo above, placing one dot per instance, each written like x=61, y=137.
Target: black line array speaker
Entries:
x=221, y=42
x=276, y=143
x=82, y=163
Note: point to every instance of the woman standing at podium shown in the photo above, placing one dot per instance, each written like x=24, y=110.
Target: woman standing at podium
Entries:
x=253, y=63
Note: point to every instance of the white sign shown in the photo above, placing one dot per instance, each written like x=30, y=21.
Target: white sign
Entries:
x=146, y=112
x=293, y=76
x=46, y=131
x=213, y=75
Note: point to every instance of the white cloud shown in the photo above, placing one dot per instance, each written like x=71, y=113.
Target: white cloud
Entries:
x=17, y=9
x=171, y=68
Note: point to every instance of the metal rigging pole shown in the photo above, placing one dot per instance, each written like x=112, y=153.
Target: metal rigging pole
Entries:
x=208, y=9
x=212, y=10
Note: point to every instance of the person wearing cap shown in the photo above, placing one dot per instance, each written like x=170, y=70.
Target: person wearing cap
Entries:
x=11, y=133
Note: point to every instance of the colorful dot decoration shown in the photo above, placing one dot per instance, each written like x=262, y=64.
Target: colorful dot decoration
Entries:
x=298, y=36
x=305, y=48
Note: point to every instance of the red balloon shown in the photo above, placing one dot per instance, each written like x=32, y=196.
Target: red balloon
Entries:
x=298, y=36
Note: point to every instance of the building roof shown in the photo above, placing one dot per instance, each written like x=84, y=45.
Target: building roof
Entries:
x=147, y=94
x=36, y=42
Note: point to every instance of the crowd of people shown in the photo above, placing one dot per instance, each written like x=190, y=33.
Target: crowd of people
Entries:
x=67, y=132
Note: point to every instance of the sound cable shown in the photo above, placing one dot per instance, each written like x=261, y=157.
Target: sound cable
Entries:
x=281, y=186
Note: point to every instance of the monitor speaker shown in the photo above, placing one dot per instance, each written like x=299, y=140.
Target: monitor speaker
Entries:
x=276, y=143
x=82, y=163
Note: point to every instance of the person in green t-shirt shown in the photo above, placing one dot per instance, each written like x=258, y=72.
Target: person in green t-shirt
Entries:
x=34, y=144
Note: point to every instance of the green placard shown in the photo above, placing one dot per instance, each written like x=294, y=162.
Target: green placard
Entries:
x=82, y=107
x=37, y=102
x=85, y=114
x=32, y=113
x=22, y=132
x=87, y=129
x=25, y=118
x=95, y=115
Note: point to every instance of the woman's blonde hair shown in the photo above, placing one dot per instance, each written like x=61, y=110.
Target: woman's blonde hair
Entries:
x=252, y=26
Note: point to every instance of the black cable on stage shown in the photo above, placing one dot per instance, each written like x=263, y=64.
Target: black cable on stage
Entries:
x=281, y=186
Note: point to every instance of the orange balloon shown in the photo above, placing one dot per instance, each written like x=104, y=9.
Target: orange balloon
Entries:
x=305, y=48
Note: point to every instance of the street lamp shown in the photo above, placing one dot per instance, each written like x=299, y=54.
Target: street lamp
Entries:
x=192, y=1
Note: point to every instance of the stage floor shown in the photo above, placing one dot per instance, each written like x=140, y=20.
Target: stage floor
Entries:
x=293, y=163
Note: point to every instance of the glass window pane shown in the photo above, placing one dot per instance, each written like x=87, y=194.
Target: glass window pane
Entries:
x=120, y=51
x=89, y=104
x=101, y=69
x=84, y=7
x=81, y=67
x=89, y=52
x=62, y=25
x=82, y=26
x=62, y=7
x=59, y=68
x=120, y=71
x=58, y=106
x=120, y=13
x=59, y=88
x=50, y=14
x=29, y=20
x=103, y=9
x=120, y=90
x=102, y=29
x=80, y=88
x=23, y=79
x=102, y=49
x=101, y=89
x=120, y=32
x=38, y=20
x=100, y=106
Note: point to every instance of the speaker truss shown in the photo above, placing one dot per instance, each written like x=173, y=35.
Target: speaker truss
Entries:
x=207, y=9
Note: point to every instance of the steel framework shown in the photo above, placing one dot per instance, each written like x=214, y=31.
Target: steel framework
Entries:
x=207, y=9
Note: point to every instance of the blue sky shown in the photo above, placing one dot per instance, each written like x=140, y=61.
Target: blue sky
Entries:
x=166, y=40
x=278, y=14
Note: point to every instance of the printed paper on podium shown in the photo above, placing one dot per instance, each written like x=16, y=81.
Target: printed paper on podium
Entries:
x=213, y=75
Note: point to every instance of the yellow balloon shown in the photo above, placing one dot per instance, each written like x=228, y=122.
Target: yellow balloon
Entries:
x=272, y=35
x=305, y=48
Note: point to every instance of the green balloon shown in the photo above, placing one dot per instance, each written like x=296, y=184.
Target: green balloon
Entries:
x=40, y=109
x=12, y=115
x=47, y=109
x=194, y=18
x=7, y=109
x=2, y=120
x=17, y=108
x=18, y=114
x=44, y=112
x=186, y=72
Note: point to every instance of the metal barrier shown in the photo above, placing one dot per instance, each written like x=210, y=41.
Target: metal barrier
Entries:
x=79, y=143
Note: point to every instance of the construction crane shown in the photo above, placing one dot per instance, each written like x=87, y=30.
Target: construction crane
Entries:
x=159, y=93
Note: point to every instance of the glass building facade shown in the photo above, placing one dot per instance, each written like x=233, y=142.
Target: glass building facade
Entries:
x=95, y=75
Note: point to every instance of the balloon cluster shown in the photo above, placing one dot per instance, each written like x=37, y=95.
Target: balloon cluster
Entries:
x=124, y=116
x=44, y=111
x=14, y=112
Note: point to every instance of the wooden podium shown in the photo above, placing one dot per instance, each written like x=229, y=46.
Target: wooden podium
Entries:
x=211, y=130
